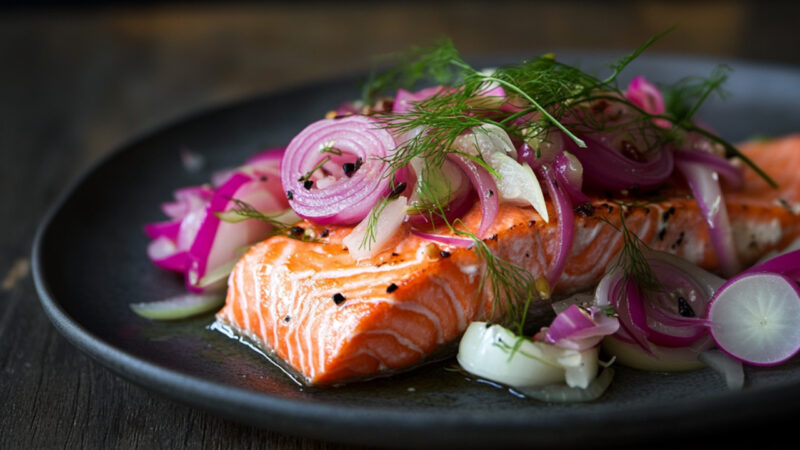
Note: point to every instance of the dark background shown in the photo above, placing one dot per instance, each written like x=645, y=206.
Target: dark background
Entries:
x=75, y=81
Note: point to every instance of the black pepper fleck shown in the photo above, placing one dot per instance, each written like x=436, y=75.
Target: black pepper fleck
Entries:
x=392, y=287
x=684, y=308
x=263, y=178
x=661, y=233
x=287, y=318
x=398, y=190
x=395, y=254
x=349, y=169
x=493, y=237
x=297, y=231
x=444, y=254
x=325, y=233
x=679, y=241
x=307, y=184
x=491, y=193
x=531, y=223
x=667, y=213
x=338, y=298
x=584, y=209
x=289, y=195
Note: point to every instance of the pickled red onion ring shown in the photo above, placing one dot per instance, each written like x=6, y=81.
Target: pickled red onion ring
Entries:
x=348, y=199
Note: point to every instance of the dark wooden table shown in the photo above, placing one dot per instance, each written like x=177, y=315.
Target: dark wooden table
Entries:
x=74, y=83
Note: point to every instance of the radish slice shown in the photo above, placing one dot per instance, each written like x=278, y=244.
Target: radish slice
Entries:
x=179, y=307
x=755, y=317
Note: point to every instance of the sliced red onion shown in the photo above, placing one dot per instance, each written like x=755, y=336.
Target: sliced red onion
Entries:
x=451, y=189
x=566, y=225
x=655, y=319
x=607, y=168
x=578, y=329
x=179, y=307
x=732, y=174
x=484, y=184
x=404, y=100
x=569, y=177
x=165, y=254
x=446, y=240
x=163, y=229
x=648, y=97
x=645, y=95
x=347, y=200
x=705, y=187
x=755, y=317
x=187, y=200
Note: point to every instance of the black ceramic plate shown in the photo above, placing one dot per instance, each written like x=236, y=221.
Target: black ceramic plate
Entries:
x=90, y=264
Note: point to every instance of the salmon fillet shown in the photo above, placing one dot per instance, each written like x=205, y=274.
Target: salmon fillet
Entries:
x=332, y=319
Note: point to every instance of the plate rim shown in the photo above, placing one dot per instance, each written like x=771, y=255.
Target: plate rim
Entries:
x=330, y=422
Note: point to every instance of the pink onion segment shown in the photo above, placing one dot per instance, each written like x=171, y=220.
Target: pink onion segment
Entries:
x=566, y=225
x=580, y=329
x=569, y=176
x=607, y=168
x=704, y=183
x=404, y=100
x=516, y=183
x=337, y=197
x=218, y=242
x=484, y=184
x=755, y=317
x=647, y=96
x=729, y=172
x=362, y=245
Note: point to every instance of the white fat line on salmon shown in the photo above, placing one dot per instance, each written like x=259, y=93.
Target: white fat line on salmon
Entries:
x=457, y=306
x=402, y=340
x=254, y=273
x=276, y=274
x=360, y=270
x=244, y=299
x=369, y=352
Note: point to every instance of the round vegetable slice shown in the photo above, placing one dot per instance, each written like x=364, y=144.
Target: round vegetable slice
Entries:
x=179, y=307
x=755, y=317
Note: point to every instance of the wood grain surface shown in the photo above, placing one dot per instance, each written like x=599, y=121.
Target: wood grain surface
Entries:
x=76, y=82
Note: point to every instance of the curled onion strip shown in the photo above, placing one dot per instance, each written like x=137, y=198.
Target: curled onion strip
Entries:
x=722, y=166
x=566, y=225
x=705, y=187
x=606, y=168
x=486, y=187
x=346, y=200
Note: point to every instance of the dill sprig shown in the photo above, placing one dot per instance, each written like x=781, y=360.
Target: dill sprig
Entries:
x=631, y=260
x=282, y=223
x=511, y=286
x=372, y=224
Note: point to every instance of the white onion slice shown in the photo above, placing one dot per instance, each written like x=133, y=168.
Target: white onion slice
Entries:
x=484, y=352
x=390, y=220
x=516, y=183
x=555, y=393
x=730, y=368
